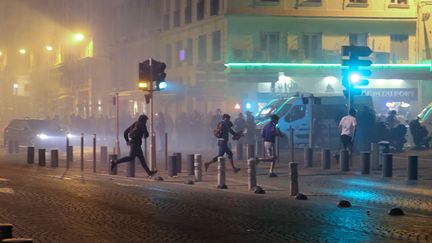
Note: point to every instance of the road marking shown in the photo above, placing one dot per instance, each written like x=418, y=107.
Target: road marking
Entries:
x=6, y=190
x=4, y=179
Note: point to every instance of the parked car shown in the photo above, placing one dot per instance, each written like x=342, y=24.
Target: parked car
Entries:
x=34, y=132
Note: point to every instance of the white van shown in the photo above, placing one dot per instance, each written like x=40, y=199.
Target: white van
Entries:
x=298, y=112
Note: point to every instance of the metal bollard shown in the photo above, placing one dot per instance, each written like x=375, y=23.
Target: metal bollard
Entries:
x=94, y=152
x=70, y=151
x=190, y=159
x=365, y=157
x=67, y=151
x=111, y=158
x=374, y=156
x=308, y=157
x=130, y=169
x=82, y=151
x=239, y=151
x=221, y=173
x=41, y=161
x=54, y=158
x=294, y=186
x=104, y=154
x=412, y=168
x=250, y=151
x=30, y=155
x=251, y=174
x=179, y=162
x=344, y=160
x=172, y=166
x=198, y=167
x=326, y=159
x=387, y=165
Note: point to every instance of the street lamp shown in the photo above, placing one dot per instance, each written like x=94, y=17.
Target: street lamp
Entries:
x=79, y=37
x=22, y=51
x=49, y=48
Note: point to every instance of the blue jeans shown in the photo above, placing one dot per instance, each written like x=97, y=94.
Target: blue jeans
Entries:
x=223, y=148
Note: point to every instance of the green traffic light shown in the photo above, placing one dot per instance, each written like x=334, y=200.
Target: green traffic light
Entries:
x=354, y=78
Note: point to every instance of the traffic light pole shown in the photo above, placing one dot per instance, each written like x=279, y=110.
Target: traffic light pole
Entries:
x=152, y=133
x=349, y=97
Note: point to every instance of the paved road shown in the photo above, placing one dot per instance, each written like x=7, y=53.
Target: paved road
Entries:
x=58, y=205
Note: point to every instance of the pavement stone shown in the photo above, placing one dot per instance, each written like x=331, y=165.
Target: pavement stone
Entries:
x=371, y=196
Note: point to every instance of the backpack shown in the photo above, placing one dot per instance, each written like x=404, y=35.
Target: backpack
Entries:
x=217, y=131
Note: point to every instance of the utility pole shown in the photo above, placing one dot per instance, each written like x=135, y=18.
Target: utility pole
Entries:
x=152, y=78
x=152, y=133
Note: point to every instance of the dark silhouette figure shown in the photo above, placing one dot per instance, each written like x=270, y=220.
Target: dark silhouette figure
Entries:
x=240, y=124
x=420, y=134
x=226, y=129
x=133, y=136
x=250, y=128
x=366, y=119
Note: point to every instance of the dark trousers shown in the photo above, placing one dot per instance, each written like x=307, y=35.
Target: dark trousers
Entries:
x=347, y=142
x=135, y=151
x=223, y=148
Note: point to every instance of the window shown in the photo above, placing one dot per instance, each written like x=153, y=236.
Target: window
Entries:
x=358, y=3
x=214, y=7
x=270, y=44
x=398, y=1
x=188, y=12
x=216, y=45
x=200, y=9
x=297, y=112
x=202, y=49
x=177, y=14
x=189, y=51
x=358, y=39
x=312, y=46
x=166, y=17
x=399, y=47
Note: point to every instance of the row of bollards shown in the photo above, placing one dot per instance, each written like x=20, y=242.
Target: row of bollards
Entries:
x=384, y=159
x=69, y=156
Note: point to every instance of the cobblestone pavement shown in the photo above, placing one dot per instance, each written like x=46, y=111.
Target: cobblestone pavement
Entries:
x=59, y=205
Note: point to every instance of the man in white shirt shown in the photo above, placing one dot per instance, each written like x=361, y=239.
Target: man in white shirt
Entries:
x=347, y=127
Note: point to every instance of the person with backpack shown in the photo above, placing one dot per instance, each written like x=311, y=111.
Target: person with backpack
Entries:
x=133, y=136
x=269, y=133
x=222, y=131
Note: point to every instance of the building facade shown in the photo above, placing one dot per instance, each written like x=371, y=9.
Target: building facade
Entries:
x=203, y=38
x=219, y=53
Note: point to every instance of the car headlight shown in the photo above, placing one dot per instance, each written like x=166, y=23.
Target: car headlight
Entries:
x=42, y=136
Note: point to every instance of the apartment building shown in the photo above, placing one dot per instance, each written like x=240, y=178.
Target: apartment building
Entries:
x=225, y=53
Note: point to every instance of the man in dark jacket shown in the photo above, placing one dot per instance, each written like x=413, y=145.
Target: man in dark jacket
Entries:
x=269, y=134
x=133, y=136
x=226, y=129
